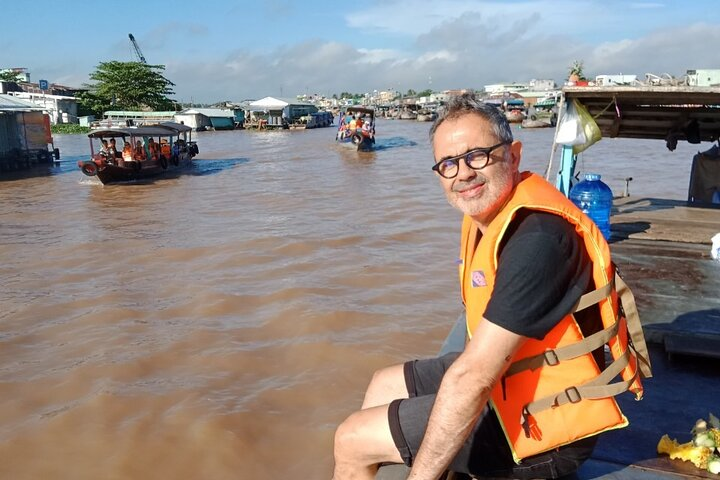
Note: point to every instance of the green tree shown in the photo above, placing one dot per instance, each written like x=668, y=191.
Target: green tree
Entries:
x=127, y=86
x=425, y=93
x=411, y=93
x=9, y=76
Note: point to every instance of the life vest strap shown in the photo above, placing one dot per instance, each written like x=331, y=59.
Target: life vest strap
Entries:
x=595, y=389
x=627, y=300
x=574, y=350
x=591, y=298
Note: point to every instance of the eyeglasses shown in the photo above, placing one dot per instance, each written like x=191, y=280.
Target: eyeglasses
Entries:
x=477, y=159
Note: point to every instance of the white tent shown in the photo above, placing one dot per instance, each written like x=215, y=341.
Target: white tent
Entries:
x=268, y=103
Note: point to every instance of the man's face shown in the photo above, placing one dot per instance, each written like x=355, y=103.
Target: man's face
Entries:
x=477, y=193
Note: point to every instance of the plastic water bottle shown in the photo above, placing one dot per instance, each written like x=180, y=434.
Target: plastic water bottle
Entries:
x=594, y=198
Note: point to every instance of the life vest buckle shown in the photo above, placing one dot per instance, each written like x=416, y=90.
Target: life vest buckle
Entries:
x=573, y=395
x=529, y=424
x=551, y=358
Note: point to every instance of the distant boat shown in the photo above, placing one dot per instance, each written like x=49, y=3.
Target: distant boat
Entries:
x=515, y=115
x=363, y=138
x=542, y=114
x=426, y=116
x=143, y=157
x=529, y=123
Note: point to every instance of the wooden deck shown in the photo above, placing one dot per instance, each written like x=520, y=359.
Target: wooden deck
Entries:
x=664, y=220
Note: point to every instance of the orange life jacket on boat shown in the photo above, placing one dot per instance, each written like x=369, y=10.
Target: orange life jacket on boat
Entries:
x=127, y=153
x=165, y=150
x=554, y=393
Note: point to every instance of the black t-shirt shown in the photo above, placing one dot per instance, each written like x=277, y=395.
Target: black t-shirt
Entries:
x=543, y=270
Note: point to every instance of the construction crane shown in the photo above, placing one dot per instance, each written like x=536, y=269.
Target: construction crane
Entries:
x=138, y=52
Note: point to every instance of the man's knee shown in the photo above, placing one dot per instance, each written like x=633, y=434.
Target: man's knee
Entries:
x=364, y=438
x=346, y=438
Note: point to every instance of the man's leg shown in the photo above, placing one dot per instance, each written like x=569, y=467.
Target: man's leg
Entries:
x=362, y=442
x=386, y=385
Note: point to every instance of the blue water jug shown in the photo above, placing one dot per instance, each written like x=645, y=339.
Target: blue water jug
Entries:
x=594, y=198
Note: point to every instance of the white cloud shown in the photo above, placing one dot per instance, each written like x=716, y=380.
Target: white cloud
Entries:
x=455, y=55
x=440, y=55
x=377, y=55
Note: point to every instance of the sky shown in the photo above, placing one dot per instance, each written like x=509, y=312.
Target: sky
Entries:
x=236, y=50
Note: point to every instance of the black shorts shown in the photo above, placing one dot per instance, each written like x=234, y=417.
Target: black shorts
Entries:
x=486, y=452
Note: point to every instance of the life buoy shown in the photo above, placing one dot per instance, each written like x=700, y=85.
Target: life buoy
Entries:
x=533, y=117
x=356, y=139
x=163, y=162
x=175, y=160
x=89, y=168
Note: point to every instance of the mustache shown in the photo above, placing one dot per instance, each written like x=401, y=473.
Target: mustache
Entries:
x=464, y=185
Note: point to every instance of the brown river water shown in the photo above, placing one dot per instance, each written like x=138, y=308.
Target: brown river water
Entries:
x=220, y=323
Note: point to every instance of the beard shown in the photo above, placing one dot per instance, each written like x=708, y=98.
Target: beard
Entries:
x=491, y=198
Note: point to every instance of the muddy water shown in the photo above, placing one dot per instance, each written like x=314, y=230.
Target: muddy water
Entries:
x=220, y=323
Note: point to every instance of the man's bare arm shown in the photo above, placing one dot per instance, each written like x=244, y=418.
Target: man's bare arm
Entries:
x=463, y=393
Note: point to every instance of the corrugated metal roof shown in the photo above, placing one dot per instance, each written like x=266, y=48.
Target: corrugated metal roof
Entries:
x=11, y=103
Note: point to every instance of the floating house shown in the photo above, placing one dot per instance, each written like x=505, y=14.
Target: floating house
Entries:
x=60, y=108
x=201, y=119
x=25, y=138
x=271, y=112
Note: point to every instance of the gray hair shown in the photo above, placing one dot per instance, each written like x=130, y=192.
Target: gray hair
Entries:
x=467, y=104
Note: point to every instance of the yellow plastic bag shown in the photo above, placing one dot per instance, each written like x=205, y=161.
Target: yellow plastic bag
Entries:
x=589, y=127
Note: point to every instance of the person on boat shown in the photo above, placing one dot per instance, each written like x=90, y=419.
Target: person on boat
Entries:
x=154, y=149
x=528, y=256
x=139, y=151
x=179, y=146
x=104, y=148
x=127, y=152
x=366, y=129
x=113, y=152
x=352, y=124
x=359, y=122
x=165, y=149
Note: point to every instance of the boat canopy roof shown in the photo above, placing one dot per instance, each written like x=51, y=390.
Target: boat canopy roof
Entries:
x=165, y=129
x=367, y=110
x=653, y=112
x=546, y=103
x=360, y=109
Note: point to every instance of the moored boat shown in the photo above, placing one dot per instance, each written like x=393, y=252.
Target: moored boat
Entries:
x=426, y=116
x=515, y=115
x=357, y=128
x=132, y=153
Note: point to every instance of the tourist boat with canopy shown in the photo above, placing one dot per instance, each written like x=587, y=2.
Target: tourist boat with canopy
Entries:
x=357, y=128
x=138, y=152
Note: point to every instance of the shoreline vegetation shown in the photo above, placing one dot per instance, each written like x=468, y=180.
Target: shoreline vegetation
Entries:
x=68, y=128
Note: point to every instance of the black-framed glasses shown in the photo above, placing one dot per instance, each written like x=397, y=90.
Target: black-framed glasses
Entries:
x=477, y=159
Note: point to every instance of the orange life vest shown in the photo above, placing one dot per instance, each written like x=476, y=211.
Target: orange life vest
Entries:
x=554, y=393
x=127, y=153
